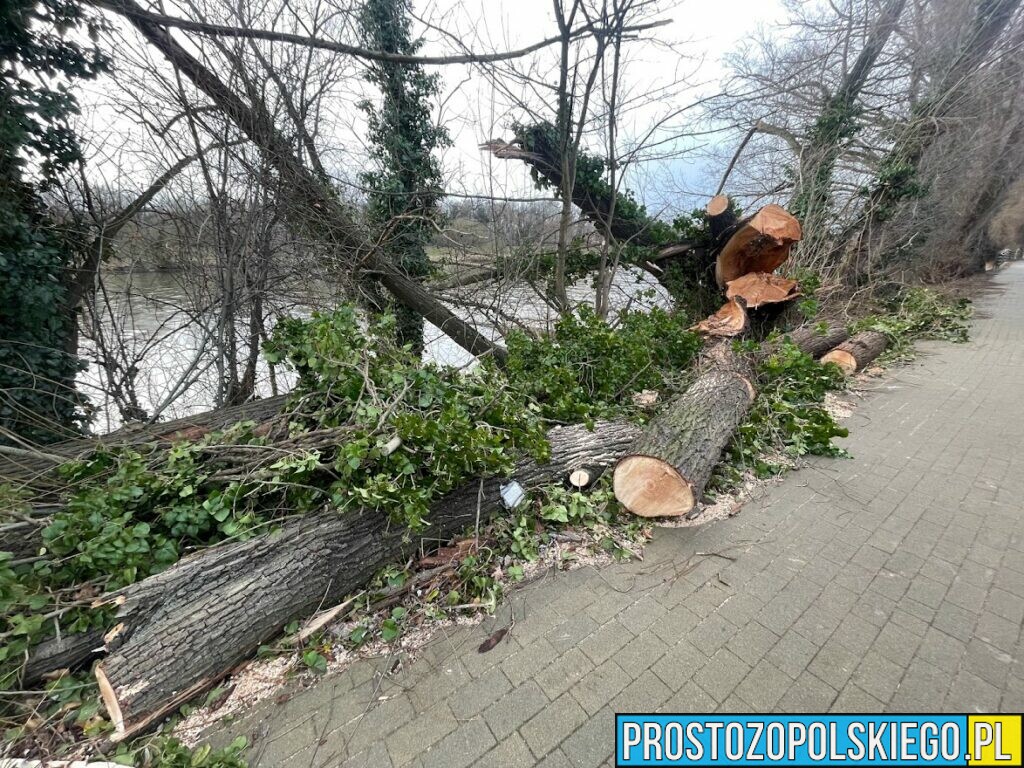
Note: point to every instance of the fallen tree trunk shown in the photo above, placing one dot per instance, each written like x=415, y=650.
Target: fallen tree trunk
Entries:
x=855, y=353
x=816, y=341
x=183, y=629
x=667, y=468
x=33, y=470
x=537, y=147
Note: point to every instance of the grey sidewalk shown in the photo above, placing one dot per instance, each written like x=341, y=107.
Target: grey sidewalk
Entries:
x=890, y=581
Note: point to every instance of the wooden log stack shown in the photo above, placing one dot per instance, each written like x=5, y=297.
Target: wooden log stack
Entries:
x=745, y=253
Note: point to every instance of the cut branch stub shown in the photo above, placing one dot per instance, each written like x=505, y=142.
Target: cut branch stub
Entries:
x=759, y=288
x=669, y=465
x=855, y=353
x=760, y=244
x=729, y=321
x=722, y=217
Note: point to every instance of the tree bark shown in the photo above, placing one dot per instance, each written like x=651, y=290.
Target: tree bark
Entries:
x=828, y=140
x=817, y=342
x=855, y=353
x=991, y=18
x=66, y=652
x=667, y=468
x=187, y=627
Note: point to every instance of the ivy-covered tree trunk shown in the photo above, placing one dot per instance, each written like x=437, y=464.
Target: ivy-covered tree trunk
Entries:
x=38, y=401
x=37, y=375
x=405, y=185
x=835, y=127
x=897, y=175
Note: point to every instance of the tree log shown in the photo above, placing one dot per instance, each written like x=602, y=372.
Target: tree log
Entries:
x=185, y=628
x=816, y=341
x=760, y=288
x=66, y=652
x=669, y=465
x=855, y=353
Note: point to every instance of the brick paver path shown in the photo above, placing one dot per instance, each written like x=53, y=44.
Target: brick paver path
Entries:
x=893, y=580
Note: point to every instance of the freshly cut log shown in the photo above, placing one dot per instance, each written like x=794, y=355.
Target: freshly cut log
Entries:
x=187, y=627
x=729, y=321
x=816, y=341
x=760, y=288
x=760, y=244
x=667, y=468
x=857, y=351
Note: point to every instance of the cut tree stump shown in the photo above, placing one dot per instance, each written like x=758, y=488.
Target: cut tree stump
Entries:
x=857, y=351
x=760, y=244
x=667, y=468
x=189, y=626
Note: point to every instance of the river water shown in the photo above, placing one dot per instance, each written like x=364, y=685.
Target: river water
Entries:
x=169, y=338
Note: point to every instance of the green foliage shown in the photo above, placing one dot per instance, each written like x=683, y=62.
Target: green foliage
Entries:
x=896, y=180
x=587, y=369
x=405, y=185
x=918, y=313
x=38, y=48
x=168, y=752
x=452, y=425
x=693, y=227
x=788, y=419
x=130, y=516
x=315, y=662
x=554, y=508
x=133, y=511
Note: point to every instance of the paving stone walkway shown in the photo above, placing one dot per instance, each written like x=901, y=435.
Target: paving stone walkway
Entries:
x=893, y=580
